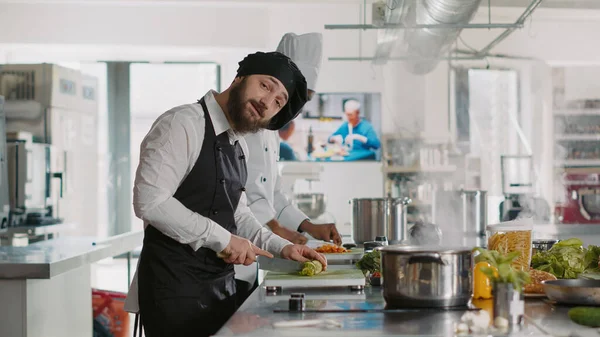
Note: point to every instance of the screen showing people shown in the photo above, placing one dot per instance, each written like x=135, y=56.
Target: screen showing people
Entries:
x=334, y=127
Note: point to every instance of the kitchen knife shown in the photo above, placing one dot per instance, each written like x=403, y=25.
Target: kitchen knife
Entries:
x=279, y=265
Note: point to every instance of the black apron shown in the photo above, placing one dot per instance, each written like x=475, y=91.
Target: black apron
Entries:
x=183, y=292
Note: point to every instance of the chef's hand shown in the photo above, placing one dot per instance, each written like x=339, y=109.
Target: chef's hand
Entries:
x=302, y=253
x=337, y=139
x=326, y=232
x=241, y=251
x=286, y=233
x=354, y=136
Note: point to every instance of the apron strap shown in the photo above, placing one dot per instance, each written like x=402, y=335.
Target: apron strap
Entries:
x=137, y=322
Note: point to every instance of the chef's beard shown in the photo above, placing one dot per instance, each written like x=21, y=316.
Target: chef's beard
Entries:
x=240, y=121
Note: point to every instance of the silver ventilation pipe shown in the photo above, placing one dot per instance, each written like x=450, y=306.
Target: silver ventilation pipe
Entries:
x=424, y=46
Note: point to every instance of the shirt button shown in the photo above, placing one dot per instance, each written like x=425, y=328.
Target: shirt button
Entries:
x=215, y=212
x=264, y=179
x=266, y=149
x=218, y=148
x=222, y=181
x=243, y=189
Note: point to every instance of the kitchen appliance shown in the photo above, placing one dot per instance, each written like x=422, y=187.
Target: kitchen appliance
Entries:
x=311, y=204
x=31, y=181
x=4, y=199
x=461, y=213
x=519, y=192
x=581, y=197
x=294, y=171
x=372, y=217
x=426, y=276
x=58, y=107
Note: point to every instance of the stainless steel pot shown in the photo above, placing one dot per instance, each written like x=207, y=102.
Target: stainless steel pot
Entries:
x=373, y=217
x=396, y=227
x=426, y=276
x=311, y=204
x=461, y=210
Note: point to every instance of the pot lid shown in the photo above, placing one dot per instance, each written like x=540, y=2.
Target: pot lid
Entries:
x=403, y=248
x=525, y=224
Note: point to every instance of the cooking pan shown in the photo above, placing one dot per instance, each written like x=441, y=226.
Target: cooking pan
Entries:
x=573, y=291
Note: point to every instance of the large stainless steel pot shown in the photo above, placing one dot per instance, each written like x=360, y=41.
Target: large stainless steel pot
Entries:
x=372, y=217
x=426, y=276
x=461, y=210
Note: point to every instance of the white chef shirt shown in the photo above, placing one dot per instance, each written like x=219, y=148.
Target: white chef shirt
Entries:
x=265, y=194
x=167, y=155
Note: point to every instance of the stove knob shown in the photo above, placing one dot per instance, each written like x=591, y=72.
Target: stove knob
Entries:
x=296, y=304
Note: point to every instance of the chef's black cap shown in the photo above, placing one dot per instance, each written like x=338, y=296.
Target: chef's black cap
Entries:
x=285, y=70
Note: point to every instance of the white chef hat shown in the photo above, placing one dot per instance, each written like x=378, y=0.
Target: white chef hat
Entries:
x=306, y=50
x=351, y=105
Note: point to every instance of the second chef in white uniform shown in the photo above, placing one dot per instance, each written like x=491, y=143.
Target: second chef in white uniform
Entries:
x=265, y=195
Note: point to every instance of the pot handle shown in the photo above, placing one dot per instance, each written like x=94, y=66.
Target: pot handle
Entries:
x=426, y=258
x=403, y=201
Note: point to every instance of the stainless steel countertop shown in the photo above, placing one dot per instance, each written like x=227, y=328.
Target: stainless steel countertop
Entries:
x=38, y=230
x=256, y=317
x=49, y=258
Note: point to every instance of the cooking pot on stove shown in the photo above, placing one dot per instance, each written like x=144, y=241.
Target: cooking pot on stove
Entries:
x=426, y=276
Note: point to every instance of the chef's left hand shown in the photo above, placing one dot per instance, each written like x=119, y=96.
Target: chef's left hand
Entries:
x=354, y=136
x=302, y=253
x=325, y=232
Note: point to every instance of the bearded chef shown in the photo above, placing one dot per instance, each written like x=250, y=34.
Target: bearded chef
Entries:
x=189, y=190
x=265, y=195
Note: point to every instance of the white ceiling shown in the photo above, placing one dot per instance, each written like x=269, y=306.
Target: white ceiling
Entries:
x=580, y=4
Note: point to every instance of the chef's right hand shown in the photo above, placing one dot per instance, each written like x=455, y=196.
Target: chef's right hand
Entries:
x=337, y=139
x=241, y=251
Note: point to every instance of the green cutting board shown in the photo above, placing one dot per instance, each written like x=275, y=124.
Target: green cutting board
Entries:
x=329, y=278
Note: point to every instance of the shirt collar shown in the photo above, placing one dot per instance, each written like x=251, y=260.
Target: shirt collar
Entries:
x=217, y=116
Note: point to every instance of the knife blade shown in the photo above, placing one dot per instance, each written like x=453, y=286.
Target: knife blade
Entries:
x=279, y=265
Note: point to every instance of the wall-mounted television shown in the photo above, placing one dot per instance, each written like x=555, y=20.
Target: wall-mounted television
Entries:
x=339, y=127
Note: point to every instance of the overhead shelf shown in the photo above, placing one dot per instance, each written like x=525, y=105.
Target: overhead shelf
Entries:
x=578, y=137
x=577, y=112
x=577, y=162
x=417, y=169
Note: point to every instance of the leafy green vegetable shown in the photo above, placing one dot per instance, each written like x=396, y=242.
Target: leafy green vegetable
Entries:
x=573, y=242
x=592, y=259
x=311, y=268
x=567, y=259
x=502, y=271
x=370, y=262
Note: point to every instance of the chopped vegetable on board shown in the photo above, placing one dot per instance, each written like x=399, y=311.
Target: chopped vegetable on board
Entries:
x=311, y=268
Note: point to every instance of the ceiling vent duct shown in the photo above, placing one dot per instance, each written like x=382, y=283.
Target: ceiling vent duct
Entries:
x=425, y=45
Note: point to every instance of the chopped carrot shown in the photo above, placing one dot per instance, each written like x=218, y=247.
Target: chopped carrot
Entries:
x=329, y=248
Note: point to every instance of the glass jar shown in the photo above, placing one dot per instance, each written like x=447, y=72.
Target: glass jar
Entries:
x=509, y=237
